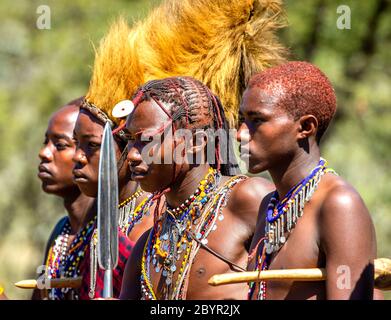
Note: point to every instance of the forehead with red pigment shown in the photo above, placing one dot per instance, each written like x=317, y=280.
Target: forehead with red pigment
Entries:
x=300, y=88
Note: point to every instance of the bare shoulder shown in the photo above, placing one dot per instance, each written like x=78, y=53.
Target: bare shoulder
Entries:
x=246, y=197
x=346, y=238
x=342, y=201
x=130, y=282
x=140, y=244
x=250, y=191
x=343, y=214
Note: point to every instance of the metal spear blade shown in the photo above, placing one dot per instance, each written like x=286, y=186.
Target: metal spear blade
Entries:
x=108, y=210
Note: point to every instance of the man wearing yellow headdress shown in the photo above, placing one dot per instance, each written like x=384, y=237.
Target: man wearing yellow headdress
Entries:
x=221, y=43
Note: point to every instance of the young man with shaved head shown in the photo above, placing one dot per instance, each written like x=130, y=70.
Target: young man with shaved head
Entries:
x=55, y=172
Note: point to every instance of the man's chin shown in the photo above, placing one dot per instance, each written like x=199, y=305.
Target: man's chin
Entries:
x=50, y=188
x=88, y=191
x=254, y=171
x=147, y=187
x=50, y=185
x=256, y=168
x=60, y=190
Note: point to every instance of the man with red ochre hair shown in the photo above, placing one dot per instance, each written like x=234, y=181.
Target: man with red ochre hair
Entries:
x=314, y=218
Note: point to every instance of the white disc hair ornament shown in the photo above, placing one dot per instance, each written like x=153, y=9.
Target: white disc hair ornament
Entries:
x=122, y=109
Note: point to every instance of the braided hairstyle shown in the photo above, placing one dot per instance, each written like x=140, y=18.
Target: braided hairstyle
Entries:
x=191, y=105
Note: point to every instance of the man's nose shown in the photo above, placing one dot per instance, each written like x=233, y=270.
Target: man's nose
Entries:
x=134, y=155
x=79, y=157
x=45, y=154
x=243, y=134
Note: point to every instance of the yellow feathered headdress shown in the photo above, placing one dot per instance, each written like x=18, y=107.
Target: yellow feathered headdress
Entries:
x=221, y=43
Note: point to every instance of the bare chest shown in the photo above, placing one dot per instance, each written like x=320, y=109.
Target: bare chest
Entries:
x=301, y=250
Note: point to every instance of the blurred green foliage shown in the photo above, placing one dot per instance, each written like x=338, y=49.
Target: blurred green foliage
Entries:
x=41, y=70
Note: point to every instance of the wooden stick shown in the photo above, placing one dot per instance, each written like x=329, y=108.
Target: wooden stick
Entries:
x=52, y=283
x=382, y=275
x=314, y=274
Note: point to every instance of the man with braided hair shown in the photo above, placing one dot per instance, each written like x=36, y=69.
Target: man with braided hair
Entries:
x=223, y=52
x=314, y=219
x=206, y=221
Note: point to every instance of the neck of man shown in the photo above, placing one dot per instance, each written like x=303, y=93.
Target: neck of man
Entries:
x=126, y=190
x=294, y=170
x=79, y=210
x=186, y=185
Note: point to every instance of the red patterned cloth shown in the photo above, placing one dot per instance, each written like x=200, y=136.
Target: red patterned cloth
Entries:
x=125, y=247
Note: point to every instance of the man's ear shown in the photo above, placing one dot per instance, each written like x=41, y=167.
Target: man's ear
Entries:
x=308, y=126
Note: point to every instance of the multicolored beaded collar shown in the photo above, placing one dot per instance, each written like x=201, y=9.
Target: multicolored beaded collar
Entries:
x=66, y=263
x=172, y=241
x=127, y=209
x=169, y=239
x=282, y=217
x=129, y=215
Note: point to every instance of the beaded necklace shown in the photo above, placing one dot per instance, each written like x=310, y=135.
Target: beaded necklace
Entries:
x=127, y=209
x=128, y=217
x=171, y=238
x=282, y=217
x=58, y=252
x=63, y=263
x=138, y=213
